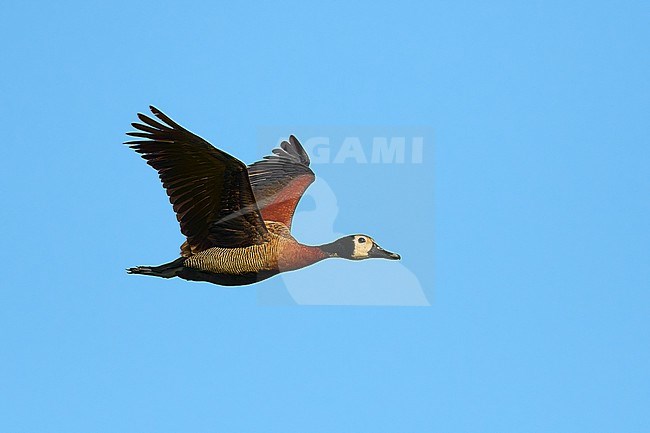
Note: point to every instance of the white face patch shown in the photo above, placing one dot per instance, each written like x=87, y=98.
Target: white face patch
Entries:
x=362, y=246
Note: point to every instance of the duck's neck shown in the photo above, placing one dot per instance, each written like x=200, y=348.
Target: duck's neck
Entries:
x=338, y=248
x=333, y=249
x=299, y=256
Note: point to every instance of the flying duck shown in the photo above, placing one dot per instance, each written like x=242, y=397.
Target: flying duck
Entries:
x=237, y=219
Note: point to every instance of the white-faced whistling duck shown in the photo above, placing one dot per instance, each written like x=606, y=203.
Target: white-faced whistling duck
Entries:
x=237, y=219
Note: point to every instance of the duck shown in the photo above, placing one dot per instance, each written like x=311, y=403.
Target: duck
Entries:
x=236, y=219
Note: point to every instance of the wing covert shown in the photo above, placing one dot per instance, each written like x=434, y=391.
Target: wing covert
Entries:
x=279, y=181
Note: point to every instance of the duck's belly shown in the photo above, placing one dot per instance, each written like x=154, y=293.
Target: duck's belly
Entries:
x=235, y=261
x=192, y=274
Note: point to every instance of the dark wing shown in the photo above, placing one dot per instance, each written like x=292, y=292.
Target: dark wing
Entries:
x=279, y=180
x=208, y=188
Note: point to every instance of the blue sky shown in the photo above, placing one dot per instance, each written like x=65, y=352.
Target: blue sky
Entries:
x=526, y=224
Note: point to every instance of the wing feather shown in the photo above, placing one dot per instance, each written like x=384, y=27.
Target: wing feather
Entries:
x=279, y=181
x=209, y=190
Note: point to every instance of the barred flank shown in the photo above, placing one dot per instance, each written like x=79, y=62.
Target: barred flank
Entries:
x=236, y=260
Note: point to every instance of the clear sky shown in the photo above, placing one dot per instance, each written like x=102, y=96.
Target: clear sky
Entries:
x=524, y=226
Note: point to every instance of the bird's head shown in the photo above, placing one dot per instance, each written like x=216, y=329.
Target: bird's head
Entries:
x=358, y=247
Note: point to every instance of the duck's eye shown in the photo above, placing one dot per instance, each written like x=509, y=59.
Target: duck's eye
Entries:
x=362, y=240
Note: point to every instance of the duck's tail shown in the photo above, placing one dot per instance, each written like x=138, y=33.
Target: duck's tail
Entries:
x=168, y=270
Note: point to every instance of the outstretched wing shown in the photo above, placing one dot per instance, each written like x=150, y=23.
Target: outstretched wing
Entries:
x=208, y=188
x=279, y=180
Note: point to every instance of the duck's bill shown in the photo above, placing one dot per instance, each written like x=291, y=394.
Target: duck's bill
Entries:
x=379, y=253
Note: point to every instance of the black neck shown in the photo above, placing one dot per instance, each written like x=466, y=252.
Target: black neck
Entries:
x=339, y=248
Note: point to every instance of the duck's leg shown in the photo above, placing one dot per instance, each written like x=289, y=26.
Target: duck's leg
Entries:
x=168, y=270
